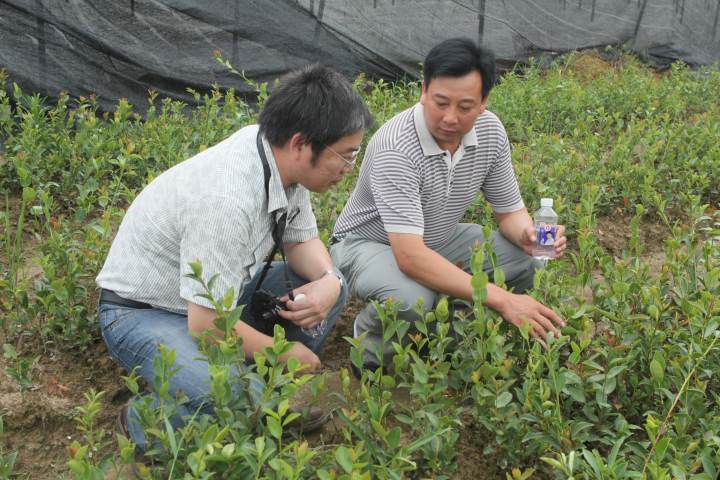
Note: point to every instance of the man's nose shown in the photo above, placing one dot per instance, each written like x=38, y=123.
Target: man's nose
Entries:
x=450, y=116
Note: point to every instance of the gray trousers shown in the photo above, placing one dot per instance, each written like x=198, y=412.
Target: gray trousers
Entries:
x=373, y=274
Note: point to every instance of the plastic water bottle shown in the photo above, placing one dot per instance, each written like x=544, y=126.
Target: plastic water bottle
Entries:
x=318, y=329
x=545, y=230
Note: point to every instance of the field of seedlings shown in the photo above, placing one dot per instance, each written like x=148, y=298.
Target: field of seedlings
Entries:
x=631, y=390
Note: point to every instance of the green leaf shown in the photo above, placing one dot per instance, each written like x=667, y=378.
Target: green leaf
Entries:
x=503, y=399
x=356, y=357
x=421, y=327
x=228, y=298
x=427, y=438
x=441, y=310
x=576, y=393
x=393, y=438
x=170, y=431
x=291, y=417
x=274, y=427
x=420, y=373
x=592, y=459
x=228, y=450
x=661, y=448
x=615, y=371
x=196, y=268
x=657, y=371
x=400, y=417
x=552, y=462
x=283, y=407
x=343, y=458
x=28, y=194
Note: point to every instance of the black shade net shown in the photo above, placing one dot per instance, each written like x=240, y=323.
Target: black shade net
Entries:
x=123, y=48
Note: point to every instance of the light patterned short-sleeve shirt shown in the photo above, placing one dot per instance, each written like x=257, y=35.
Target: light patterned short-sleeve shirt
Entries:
x=408, y=184
x=213, y=208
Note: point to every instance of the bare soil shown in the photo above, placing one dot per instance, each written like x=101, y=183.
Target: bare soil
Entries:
x=614, y=236
x=40, y=423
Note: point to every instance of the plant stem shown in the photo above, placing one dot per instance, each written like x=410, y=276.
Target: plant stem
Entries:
x=663, y=427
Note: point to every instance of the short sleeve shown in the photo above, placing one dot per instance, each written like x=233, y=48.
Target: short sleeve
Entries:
x=303, y=226
x=501, y=187
x=215, y=232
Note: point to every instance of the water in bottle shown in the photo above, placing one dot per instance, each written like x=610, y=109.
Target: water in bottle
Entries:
x=545, y=230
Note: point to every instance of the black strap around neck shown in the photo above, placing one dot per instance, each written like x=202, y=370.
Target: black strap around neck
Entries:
x=276, y=245
x=265, y=165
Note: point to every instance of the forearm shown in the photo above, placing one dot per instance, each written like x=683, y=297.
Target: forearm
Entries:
x=513, y=225
x=201, y=320
x=434, y=271
x=309, y=259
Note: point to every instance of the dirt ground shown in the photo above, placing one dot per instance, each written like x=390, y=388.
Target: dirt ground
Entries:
x=40, y=423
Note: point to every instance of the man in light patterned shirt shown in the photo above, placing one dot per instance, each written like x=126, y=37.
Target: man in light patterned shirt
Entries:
x=400, y=234
x=224, y=207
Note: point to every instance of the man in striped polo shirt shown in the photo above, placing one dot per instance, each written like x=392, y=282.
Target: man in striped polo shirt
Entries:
x=226, y=207
x=400, y=234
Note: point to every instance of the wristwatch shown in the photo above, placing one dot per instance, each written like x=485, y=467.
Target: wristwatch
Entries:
x=336, y=275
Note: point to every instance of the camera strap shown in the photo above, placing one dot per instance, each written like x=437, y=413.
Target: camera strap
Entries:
x=276, y=242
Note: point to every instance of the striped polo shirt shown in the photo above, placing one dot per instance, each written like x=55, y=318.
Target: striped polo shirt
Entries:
x=408, y=184
x=211, y=207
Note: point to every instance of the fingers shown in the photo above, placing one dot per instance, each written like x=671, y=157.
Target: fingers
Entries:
x=531, y=234
x=542, y=321
x=546, y=326
x=302, y=312
x=550, y=314
x=561, y=242
x=299, y=295
x=304, y=318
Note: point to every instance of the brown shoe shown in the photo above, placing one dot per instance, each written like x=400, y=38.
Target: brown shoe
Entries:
x=310, y=420
x=122, y=429
x=122, y=423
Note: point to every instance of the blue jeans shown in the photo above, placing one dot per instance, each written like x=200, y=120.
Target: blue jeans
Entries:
x=133, y=337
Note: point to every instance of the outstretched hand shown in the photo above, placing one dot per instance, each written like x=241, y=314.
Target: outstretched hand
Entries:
x=523, y=309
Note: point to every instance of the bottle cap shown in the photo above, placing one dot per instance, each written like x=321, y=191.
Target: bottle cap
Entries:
x=546, y=202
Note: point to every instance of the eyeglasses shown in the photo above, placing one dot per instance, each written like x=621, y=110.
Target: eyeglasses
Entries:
x=353, y=157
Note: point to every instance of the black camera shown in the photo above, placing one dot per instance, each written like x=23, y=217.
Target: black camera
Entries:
x=265, y=306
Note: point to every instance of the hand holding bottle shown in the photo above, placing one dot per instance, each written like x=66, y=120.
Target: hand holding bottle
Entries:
x=549, y=237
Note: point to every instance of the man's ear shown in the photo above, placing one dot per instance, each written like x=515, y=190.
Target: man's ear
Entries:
x=423, y=92
x=483, y=104
x=297, y=143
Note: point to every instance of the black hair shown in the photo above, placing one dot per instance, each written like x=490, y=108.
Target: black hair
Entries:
x=317, y=102
x=456, y=57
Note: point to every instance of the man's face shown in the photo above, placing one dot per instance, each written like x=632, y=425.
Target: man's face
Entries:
x=451, y=105
x=332, y=163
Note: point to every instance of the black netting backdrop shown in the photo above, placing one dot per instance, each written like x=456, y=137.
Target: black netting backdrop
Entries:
x=122, y=48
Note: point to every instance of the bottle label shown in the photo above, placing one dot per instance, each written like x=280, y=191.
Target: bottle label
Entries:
x=546, y=234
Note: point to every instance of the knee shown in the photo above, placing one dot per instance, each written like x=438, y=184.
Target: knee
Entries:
x=410, y=296
x=344, y=292
x=474, y=231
